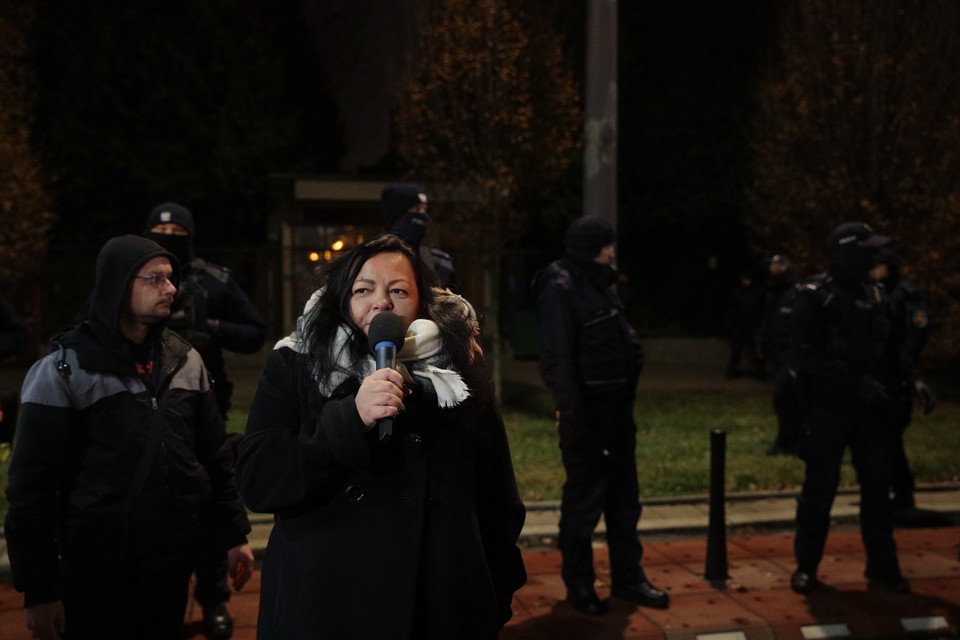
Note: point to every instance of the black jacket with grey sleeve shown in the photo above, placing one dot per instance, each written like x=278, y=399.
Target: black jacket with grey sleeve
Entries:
x=85, y=430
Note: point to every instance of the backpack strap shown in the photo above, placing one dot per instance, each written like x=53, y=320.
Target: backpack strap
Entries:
x=63, y=368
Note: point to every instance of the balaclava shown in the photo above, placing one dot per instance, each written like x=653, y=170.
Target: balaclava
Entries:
x=886, y=256
x=396, y=200
x=853, y=249
x=781, y=271
x=180, y=246
x=584, y=239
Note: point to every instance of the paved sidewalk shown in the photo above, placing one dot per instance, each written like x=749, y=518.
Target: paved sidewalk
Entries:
x=753, y=603
x=756, y=602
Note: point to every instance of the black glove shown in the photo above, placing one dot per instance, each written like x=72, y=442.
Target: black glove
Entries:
x=924, y=395
x=872, y=392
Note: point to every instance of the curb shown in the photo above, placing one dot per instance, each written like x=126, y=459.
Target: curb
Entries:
x=679, y=516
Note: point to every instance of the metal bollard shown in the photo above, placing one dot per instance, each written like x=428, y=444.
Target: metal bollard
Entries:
x=716, y=566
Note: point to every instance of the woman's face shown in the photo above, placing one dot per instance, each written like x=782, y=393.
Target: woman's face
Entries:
x=386, y=282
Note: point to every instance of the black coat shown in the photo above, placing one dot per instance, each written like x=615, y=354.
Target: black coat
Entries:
x=214, y=314
x=911, y=325
x=843, y=343
x=414, y=539
x=588, y=350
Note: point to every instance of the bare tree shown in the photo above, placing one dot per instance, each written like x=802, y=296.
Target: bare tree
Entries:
x=489, y=119
x=859, y=119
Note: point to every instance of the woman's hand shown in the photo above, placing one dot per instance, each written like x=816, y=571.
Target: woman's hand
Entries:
x=380, y=396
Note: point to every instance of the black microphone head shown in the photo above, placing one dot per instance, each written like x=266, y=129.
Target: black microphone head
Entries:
x=386, y=326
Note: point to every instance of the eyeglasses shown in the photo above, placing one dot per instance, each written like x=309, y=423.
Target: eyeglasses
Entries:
x=157, y=280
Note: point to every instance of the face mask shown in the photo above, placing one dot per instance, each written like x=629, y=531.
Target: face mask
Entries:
x=411, y=227
x=180, y=246
x=854, y=262
x=606, y=275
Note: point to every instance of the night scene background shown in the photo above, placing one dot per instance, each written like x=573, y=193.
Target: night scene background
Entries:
x=745, y=128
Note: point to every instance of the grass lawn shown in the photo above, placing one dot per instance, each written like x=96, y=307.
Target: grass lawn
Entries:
x=673, y=443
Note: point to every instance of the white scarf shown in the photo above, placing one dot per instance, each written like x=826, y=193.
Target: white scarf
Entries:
x=421, y=356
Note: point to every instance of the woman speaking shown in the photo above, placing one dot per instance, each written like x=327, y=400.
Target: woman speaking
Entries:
x=395, y=502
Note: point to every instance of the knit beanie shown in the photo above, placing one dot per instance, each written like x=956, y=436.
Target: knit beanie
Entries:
x=587, y=235
x=397, y=199
x=170, y=212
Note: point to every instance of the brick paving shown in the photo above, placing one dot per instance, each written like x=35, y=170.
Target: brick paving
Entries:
x=754, y=602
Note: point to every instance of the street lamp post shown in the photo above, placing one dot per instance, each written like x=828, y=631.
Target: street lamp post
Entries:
x=600, y=127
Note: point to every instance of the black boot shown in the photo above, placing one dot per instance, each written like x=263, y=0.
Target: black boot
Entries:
x=804, y=580
x=642, y=593
x=584, y=599
x=217, y=623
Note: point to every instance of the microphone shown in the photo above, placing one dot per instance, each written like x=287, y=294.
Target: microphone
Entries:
x=386, y=336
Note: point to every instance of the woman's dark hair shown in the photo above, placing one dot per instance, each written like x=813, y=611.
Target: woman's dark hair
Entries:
x=335, y=280
x=459, y=328
x=457, y=323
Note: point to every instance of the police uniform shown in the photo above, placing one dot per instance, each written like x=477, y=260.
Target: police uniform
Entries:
x=210, y=292
x=212, y=313
x=405, y=215
x=843, y=348
x=441, y=264
x=776, y=332
x=908, y=307
x=211, y=310
x=591, y=360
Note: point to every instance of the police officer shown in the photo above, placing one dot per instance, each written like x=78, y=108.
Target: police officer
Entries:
x=775, y=337
x=591, y=359
x=843, y=346
x=213, y=313
x=744, y=316
x=911, y=320
x=405, y=214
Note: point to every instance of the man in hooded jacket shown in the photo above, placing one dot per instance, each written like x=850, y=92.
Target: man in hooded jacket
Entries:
x=118, y=471
x=590, y=359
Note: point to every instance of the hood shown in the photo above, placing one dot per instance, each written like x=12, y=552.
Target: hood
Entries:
x=119, y=260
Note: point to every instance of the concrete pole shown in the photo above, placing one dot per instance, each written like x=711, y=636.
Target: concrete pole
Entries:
x=600, y=128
